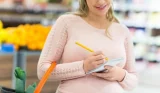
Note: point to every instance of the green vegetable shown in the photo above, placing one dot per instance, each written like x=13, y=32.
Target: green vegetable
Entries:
x=31, y=88
x=21, y=82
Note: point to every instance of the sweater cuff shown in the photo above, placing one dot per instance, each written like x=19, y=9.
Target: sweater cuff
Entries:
x=124, y=81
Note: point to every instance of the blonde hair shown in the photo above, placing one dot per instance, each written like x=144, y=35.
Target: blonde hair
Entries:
x=83, y=12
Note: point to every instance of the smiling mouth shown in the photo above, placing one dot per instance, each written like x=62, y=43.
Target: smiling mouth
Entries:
x=101, y=7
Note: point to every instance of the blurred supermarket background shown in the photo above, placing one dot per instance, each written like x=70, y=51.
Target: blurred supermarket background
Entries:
x=25, y=24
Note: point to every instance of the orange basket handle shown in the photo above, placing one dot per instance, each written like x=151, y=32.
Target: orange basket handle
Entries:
x=44, y=78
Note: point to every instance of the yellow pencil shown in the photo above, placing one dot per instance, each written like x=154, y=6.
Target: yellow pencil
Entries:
x=81, y=45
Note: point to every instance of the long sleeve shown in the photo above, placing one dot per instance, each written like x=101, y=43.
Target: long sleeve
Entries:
x=130, y=81
x=53, y=50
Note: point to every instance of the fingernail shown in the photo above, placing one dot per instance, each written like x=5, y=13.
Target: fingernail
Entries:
x=106, y=70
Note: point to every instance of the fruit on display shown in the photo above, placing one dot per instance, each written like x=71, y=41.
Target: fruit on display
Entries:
x=3, y=34
x=1, y=25
x=31, y=36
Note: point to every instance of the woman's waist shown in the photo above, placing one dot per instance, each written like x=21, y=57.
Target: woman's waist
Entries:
x=90, y=84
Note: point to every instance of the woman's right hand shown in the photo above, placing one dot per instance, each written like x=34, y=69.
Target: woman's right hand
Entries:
x=93, y=61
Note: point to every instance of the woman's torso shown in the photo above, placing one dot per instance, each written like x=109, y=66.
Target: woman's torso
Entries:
x=96, y=39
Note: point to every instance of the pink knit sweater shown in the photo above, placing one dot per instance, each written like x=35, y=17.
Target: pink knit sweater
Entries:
x=60, y=46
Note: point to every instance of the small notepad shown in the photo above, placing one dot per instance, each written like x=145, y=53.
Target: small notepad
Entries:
x=112, y=62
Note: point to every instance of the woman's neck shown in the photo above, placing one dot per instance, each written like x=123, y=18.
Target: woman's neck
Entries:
x=97, y=21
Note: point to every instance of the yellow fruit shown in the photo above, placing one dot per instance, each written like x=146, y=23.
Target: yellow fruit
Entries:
x=1, y=25
x=33, y=36
x=3, y=35
x=40, y=45
x=32, y=46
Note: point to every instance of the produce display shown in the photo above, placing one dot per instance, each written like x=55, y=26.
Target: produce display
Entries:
x=30, y=36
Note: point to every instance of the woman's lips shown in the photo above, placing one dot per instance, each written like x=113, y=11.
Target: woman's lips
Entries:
x=101, y=7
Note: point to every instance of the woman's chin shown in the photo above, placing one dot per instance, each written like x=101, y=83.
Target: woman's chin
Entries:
x=102, y=14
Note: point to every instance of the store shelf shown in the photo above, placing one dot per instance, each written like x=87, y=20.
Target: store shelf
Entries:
x=141, y=17
x=6, y=53
x=16, y=15
x=20, y=18
x=154, y=26
x=33, y=52
x=27, y=52
x=121, y=6
x=135, y=7
x=134, y=24
x=53, y=8
x=57, y=8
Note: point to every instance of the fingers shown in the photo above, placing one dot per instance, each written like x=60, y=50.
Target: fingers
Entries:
x=98, y=57
x=102, y=75
x=109, y=68
x=97, y=53
x=94, y=60
x=97, y=63
x=106, y=71
x=100, y=62
x=108, y=74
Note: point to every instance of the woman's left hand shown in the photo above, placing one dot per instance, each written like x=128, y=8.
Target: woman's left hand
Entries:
x=112, y=74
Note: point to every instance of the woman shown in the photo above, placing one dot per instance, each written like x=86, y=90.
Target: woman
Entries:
x=94, y=26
